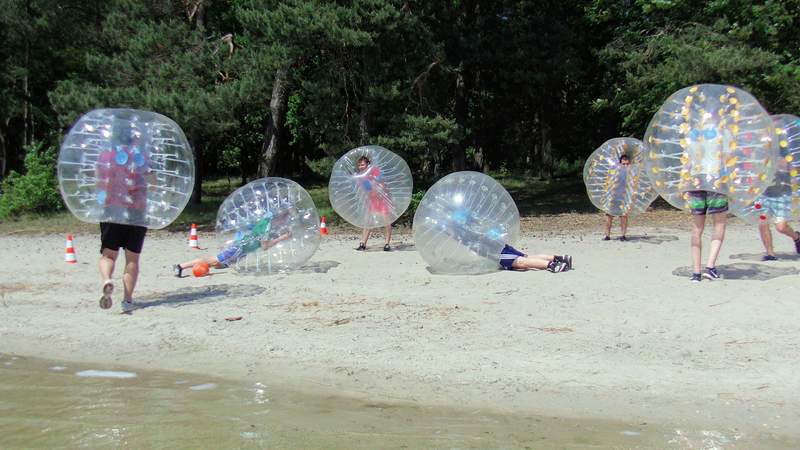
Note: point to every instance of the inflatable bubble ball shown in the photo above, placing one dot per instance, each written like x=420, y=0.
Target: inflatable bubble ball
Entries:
x=268, y=226
x=781, y=201
x=370, y=186
x=713, y=138
x=616, y=180
x=126, y=166
x=463, y=222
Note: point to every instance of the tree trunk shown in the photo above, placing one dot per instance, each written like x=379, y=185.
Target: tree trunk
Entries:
x=197, y=191
x=26, y=95
x=363, y=123
x=276, y=122
x=2, y=155
x=543, y=148
x=459, y=149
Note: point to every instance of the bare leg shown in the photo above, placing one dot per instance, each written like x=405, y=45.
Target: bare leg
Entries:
x=766, y=237
x=609, y=222
x=786, y=229
x=718, y=235
x=106, y=263
x=131, y=273
x=388, y=234
x=210, y=260
x=623, y=225
x=698, y=224
x=108, y=258
x=537, y=262
x=365, y=236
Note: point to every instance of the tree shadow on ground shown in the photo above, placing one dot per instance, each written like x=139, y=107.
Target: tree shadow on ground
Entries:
x=318, y=267
x=557, y=196
x=758, y=256
x=744, y=271
x=199, y=295
x=653, y=239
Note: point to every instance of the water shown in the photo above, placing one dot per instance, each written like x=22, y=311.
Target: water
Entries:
x=47, y=404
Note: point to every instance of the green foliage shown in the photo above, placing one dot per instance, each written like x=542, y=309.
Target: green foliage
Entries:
x=322, y=166
x=36, y=190
x=566, y=168
x=407, y=218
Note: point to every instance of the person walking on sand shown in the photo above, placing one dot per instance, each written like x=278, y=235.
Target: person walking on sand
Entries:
x=704, y=203
x=121, y=172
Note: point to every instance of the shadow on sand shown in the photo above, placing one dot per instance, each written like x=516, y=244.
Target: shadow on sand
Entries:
x=651, y=239
x=199, y=295
x=318, y=267
x=744, y=271
x=758, y=256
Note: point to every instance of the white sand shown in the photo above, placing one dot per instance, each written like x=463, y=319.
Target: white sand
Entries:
x=622, y=336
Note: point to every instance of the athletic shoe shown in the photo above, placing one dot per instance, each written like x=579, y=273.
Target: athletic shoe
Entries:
x=127, y=306
x=768, y=258
x=711, y=273
x=178, y=271
x=567, y=259
x=606, y=238
x=556, y=266
x=387, y=248
x=695, y=278
x=105, y=299
x=361, y=247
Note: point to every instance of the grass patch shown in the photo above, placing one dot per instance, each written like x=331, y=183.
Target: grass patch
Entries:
x=534, y=197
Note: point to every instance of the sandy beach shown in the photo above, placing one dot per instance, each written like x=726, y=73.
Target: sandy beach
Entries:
x=623, y=336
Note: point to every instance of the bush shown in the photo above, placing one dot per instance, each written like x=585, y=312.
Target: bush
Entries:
x=565, y=168
x=36, y=190
x=408, y=216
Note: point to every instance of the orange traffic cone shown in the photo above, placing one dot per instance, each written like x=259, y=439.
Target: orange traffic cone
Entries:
x=323, y=228
x=69, y=256
x=193, y=243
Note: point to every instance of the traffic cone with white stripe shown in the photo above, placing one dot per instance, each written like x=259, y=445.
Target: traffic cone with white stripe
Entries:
x=69, y=256
x=193, y=242
x=323, y=228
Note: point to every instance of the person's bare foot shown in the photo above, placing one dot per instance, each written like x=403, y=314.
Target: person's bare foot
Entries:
x=105, y=299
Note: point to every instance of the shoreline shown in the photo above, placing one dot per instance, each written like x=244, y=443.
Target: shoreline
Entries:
x=380, y=327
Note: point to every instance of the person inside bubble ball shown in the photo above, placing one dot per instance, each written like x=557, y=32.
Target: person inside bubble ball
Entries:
x=378, y=198
x=513, y=259
x=122, y=190
x=703, y=203
x=779, y=205
x=257, y=238
x=625, y=163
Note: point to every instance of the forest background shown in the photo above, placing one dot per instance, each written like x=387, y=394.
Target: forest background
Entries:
x=524, y=89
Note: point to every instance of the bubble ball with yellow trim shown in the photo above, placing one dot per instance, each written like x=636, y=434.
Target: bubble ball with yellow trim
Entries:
x=614, y=188
x=781, y=201
x=710, y=137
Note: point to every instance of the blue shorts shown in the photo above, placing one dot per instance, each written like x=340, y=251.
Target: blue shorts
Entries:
x=508, y=255
x=228, y=255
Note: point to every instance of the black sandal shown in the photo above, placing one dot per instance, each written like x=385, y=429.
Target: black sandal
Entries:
x=361, y=247
x=387, y=248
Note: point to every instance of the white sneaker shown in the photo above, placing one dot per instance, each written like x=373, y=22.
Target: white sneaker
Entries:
x=127, y=306
x=105, y=299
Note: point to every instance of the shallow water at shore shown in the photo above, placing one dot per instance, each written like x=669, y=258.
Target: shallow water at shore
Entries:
x=45, y=404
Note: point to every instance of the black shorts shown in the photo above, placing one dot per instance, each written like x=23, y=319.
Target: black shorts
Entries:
x=116, y=235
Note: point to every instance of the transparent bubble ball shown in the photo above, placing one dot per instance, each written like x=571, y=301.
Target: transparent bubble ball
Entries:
x=781, y=201
x=126, y=166
x=270, y=225
x=616, y=189
x=375, y=196
x=463, y=222
x=710, y=137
